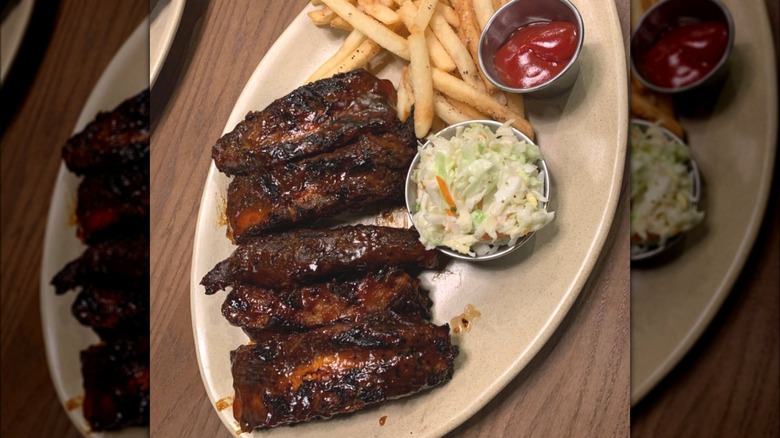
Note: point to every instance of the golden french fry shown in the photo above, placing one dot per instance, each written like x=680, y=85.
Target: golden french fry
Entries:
x=422, y=85
x=404, y=104
x=425, y=11
x=663, y=102
x=464, y=108
x=340, y=23
x=322, y=16
x=516, y=103
x=447, y=112
x=449, y=14
x=359, y=58
x=483, y=10
x=469, y=35
x=642, y=108
x=438, y=124
x=383, y=36
x=439, y=56
x=407, y=84
x=497, y=4
x=460, y=90
x=316, y=2
x=350, y=44
x=459, y=53
x=382, y=13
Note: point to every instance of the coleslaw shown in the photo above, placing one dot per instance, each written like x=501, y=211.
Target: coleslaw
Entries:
x=663, y=203
x=478, y=190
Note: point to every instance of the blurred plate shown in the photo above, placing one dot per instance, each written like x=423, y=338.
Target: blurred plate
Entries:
x=64, y=337
x=163, y=22
x=12, y=31
x=734, y=144
x=583, y=137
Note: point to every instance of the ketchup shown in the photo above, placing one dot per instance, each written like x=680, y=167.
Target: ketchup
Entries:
x=685, y=54
x=536, y=53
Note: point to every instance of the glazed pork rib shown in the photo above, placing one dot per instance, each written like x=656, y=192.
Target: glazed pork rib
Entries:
x=337, y=369
x=113, y=204
x=312, y=119
x=113, y=312
x=116, y=384
x=306, y=307
x=122, y=261
x=304, y=256
x=372, y=169
x=114, y=140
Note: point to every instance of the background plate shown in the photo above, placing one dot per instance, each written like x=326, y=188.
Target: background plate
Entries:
x=11, y=32
x=64, y=337
x=522, y=298
x=733, y=139
x=163, y=22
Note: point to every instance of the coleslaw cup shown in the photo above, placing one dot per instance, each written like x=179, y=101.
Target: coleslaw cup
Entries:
x=519, y=13
x=411, y=192
x=644, y=251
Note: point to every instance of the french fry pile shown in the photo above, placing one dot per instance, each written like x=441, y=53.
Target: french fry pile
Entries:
x=439, y=39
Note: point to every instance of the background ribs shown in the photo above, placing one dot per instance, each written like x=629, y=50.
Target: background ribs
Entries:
x=113, y=204
x=114, y=140
x=116, y=384
x=122, y=261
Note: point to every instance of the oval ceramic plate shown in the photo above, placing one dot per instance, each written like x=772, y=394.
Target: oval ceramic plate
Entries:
x=11, y=32
x=163, y=22
x=64, y=337
x=734, y=145
x=583, y=136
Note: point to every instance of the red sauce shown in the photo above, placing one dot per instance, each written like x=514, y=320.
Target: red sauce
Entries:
x=382, y=420
x=536, y=53
x=685, y=54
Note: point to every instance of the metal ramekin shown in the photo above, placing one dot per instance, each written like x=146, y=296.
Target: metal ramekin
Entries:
x=411, y=190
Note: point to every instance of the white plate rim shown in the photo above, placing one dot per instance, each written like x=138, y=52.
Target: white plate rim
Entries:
x=593, y=253
x=164, y=20
x=108, y=92
x=12, y=31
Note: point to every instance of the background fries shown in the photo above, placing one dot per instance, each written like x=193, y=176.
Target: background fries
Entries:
x=440, y=39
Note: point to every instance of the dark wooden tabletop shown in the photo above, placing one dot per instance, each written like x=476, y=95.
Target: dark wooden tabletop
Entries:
x=576, y=386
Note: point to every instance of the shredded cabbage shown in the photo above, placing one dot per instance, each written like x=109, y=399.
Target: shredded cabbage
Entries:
x=662, y=199
x=478, y=190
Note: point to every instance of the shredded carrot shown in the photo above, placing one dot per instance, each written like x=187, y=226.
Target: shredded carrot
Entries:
x=445, y=192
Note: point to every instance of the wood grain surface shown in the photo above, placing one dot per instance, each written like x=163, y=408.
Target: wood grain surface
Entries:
x=84, y=39
x=577, y=385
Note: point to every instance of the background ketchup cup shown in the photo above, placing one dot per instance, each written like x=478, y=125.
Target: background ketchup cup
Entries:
x=521, y=13
x=673, y=19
